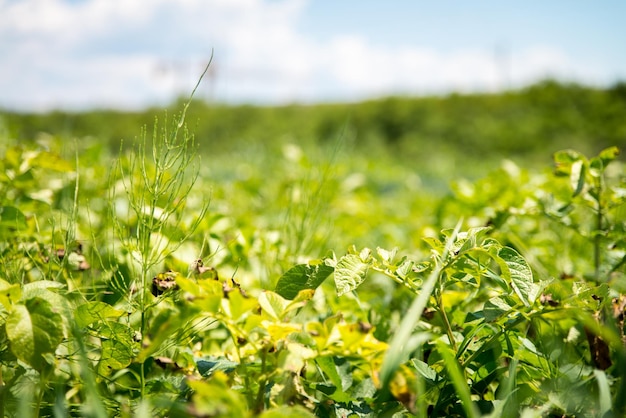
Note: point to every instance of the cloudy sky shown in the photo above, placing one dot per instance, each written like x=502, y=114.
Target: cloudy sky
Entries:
x=77, y=54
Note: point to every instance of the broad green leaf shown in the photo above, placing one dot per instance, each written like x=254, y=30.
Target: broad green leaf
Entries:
x=349, y=273
x=117, y=353
x=564, y=159
x=405, y=268
x=209, y=365
x=112, y=329
x=472, y=237
x=49, y=290
x=10, y=294
x=167, y=323
x=191, y=286
x=598, y=164
x=528, y=344
x=293, y=359
x=280, y=330
x=52, y=161
x=517, y=270
x=577, y=176
x=44, y=289
x=215, y=397
x=340, y=377
x=90, y=312
x=433, y=242
x=300, y=300
x=300, y=277
x=238, y=305
x=41, y=284
x=287, y=412
x=34, y=329
x=272, y=304
x=327, y=365
x=12, y=217
x=206, y=294
x=425, y=370
x=386, y=255
x=494, y=308
x=609, y=154
x=604, y=390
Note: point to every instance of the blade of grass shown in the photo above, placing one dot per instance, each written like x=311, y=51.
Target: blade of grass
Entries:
x=399, y=348
x=604, y=391
x=458, y=380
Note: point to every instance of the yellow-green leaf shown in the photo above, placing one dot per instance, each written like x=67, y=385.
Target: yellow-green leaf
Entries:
x=34, y=329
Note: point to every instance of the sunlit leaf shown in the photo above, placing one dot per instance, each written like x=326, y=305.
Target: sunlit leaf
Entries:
x=405, y=268
x=294, y=357
x=9, y=294
x=349, y=273
x=280, y=331
x=598, y=164
x=52, y=161
x=520, y=274
x=34, y=329
x=577, y=176
x=117, y=353
x=272, y=304
x=215, y=397
x=425, y=370
x=564, y=159
x=473, y=237
x=386, y=255
x=300, y=277
x=91, y=312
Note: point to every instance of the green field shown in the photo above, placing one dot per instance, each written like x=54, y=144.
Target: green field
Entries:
x=441, y=256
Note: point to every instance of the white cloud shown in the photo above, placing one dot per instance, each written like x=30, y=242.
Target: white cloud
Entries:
x=132, y=53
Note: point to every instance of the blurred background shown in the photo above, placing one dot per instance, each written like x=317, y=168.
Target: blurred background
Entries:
x=436, y=87
x=85, y=54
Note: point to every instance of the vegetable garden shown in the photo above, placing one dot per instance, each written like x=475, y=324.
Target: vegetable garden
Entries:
x=292, y=279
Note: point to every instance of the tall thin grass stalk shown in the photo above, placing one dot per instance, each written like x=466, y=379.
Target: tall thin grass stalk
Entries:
x=306, y=224
x=157, y=178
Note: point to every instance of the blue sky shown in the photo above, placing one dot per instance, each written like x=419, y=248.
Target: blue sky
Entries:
x=77, y=54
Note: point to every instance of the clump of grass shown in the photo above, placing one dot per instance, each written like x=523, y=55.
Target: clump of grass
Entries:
x=151, y=183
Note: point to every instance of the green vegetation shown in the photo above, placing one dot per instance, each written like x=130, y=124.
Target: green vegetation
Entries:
x=529, y=124
x=337, y=260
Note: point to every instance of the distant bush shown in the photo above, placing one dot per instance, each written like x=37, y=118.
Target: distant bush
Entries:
x=529, y=123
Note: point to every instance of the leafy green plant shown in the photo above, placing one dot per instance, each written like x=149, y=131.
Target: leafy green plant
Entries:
x=483, y=335
x=466, y=266
x=126, y=295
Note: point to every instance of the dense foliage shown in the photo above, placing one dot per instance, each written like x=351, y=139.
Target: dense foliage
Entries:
x=532, y=123
x=292, y=278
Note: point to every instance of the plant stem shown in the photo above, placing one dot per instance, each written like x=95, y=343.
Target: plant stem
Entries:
x=259, y=405
x=597, y=259
x=2, y=388
x=445, y=318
